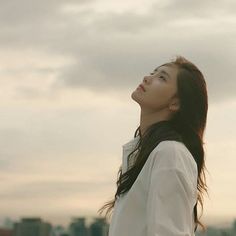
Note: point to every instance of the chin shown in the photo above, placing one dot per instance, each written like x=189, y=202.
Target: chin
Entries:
x=135, y=97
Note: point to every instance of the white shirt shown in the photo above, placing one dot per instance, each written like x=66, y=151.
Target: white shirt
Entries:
x=162, y=198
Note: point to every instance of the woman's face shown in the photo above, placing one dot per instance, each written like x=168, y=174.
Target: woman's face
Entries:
x=160, y=89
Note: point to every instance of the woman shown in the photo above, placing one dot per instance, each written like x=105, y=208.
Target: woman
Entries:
x=162, y=177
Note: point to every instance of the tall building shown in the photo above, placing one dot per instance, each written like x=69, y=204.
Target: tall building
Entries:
x=99, y=227
x=32, y=227
x=234, y=227
x=78, y=227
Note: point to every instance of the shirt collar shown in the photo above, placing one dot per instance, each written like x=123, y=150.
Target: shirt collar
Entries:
x=132, y=143
x=127, y=149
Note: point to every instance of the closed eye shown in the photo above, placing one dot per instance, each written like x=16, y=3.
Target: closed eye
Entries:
x=160, y=76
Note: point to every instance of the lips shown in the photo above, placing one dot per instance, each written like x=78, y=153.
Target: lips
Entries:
x=141, y=86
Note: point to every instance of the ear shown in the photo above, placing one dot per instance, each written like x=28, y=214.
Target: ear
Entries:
x=174, y=105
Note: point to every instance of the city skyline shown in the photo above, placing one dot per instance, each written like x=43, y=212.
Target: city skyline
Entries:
x=80, y=226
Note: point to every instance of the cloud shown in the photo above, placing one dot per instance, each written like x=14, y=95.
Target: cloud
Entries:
x=111, y=50
x=67, y=70
x=54, y=189
x=15, y=13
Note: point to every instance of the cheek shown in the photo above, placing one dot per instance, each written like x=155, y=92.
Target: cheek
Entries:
x=159, y=97
x=160, y=93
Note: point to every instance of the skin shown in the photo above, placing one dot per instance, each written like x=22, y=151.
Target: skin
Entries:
x=159, y=101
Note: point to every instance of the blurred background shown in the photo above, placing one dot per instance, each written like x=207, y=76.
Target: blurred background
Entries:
x=67, y=71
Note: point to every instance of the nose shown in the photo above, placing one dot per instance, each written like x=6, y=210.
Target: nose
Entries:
x=146, y=79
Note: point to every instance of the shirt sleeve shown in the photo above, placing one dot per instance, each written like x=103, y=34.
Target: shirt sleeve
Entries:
x=170, y=197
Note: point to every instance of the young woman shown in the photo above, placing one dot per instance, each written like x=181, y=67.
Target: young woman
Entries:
x=162, y=177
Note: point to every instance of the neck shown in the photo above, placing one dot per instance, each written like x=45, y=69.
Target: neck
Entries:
x=148, y=118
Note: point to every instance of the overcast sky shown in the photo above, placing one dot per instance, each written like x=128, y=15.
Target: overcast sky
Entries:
x=67, y=70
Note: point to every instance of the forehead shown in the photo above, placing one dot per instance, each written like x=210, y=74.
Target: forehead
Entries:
x=165, y=67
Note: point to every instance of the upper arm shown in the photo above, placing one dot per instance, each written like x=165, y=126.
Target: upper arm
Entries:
x=170, y=197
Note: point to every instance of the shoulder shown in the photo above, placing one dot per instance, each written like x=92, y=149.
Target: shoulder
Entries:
x=170, y=154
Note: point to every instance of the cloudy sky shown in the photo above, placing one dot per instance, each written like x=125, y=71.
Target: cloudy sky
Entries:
x=67, y=70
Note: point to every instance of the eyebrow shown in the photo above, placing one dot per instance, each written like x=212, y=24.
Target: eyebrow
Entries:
x=164, y=72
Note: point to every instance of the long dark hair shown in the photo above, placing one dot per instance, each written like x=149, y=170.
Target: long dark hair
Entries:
x=187, y=125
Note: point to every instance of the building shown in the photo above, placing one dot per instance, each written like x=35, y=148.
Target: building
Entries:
x=78, y=227
x=32, y=227
x=99, y=227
